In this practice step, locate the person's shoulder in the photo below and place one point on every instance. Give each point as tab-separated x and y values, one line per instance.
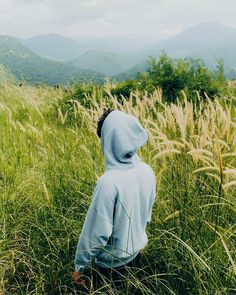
106	176
107	179
146	167
105	189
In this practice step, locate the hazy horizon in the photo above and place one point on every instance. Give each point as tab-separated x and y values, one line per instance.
149	21
118	36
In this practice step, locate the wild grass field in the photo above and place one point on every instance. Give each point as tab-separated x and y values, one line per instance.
50	159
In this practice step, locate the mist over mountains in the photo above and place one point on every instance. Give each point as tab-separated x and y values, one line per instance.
57	47
27	66
209	41
54	46
56	59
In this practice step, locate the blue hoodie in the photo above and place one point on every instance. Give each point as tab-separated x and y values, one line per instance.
114	229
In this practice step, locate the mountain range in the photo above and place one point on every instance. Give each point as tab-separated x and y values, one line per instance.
53	59
57	47
27	66
208	41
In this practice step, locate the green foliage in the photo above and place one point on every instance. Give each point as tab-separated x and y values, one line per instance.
124	88
190	76
80	94
48	170
175	76
30	68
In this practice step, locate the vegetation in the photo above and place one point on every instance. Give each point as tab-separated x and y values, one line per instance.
175	76
28	67
50	158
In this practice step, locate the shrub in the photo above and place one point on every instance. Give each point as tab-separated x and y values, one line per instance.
125	88
66	105
174	76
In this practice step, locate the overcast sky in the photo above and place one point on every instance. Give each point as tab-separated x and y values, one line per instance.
140	19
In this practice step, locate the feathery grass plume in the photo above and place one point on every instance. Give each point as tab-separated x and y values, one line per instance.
50	159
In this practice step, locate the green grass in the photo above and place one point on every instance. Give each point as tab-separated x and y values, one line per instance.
49	163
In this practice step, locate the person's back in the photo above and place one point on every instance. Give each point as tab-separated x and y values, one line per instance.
135	193
114	228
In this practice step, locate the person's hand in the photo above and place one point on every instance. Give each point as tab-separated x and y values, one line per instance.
76	276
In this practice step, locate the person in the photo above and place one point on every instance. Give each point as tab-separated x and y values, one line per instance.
114	229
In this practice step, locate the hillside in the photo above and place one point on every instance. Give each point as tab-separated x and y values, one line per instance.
105	62
205	36
114	57
54	46
208	41
27	66
60	48
115	44
132	72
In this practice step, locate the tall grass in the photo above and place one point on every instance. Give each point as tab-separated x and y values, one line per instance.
50	159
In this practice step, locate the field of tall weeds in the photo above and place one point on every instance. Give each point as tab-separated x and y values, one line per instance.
50	159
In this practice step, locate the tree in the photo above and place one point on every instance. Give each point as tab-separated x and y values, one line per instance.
192	76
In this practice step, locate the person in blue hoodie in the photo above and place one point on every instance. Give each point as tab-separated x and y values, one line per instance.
114	228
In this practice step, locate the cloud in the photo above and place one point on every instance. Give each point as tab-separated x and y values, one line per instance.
142	19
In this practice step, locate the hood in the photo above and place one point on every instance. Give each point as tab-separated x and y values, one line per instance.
121	136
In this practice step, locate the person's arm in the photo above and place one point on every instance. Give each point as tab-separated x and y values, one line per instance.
98	224
152	199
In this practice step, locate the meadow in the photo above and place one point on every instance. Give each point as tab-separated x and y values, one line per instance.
50	159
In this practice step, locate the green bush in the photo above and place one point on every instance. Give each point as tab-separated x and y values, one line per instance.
81	92
125	88
173	77
191	76
66	105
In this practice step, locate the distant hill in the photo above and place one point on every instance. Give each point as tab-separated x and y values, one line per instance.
28	67
123	57
115	44
132	72
54	46
106	63
195	39
117	57
57	47
208	41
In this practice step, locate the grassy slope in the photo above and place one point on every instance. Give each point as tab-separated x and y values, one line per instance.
49	167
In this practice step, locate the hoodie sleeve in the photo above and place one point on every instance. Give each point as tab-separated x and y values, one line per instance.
152	198
98	223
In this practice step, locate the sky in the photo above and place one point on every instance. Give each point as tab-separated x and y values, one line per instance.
143	20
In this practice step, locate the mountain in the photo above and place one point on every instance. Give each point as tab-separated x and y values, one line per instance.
115	44
209	41
195	39
54	46
124	57
132	72
28	67
119	57
57	47
105	62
